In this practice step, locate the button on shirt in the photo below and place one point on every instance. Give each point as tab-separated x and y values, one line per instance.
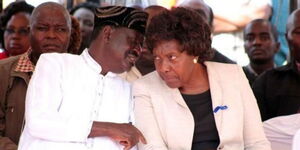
65	96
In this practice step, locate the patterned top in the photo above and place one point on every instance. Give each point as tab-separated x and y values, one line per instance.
24	63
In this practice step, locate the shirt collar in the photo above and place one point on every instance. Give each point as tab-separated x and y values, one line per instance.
93	64
90	61
24	63
249	67
251	70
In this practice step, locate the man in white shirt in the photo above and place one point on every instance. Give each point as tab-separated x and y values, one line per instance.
281	130
78	102
296	140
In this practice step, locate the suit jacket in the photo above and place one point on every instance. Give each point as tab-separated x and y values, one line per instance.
13	86
167	123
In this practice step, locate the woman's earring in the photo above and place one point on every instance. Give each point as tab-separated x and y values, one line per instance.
195	60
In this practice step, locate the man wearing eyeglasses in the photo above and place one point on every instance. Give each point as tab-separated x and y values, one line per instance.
50	26
78	102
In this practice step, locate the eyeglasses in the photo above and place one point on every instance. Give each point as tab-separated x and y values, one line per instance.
20	31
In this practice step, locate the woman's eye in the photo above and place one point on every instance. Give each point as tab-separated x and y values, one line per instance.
156	58
172	57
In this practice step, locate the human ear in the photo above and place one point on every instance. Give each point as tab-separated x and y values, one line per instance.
107	30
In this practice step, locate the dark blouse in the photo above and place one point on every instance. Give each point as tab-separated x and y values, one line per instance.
206	136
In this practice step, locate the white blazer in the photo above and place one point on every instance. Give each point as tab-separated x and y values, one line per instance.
167	123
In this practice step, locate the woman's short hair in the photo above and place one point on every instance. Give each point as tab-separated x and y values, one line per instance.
185	26
14	8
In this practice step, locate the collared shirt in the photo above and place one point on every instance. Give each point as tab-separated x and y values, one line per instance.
281	130
250	74
296	139
24	63
63	102
249	67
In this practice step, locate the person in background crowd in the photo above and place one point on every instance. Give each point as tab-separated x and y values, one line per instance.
84	104
15	22
261	45
210	104
206	12
84	13
75	39
230	18
277	90
144	64
50	26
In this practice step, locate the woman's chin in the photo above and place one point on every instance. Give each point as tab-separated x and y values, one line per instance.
172	85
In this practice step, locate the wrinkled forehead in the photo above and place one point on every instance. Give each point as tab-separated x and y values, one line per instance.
52	15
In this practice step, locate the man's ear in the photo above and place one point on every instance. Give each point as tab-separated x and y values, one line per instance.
288	40
107	30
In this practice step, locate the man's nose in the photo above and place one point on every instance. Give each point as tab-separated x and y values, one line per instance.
257	41
51	33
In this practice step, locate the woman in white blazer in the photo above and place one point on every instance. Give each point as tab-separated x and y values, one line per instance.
189	102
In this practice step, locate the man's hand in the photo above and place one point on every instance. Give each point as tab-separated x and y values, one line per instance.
126	134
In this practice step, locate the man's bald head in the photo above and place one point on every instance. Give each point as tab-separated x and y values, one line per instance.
50	7
293	35
203	9
50	29
295	15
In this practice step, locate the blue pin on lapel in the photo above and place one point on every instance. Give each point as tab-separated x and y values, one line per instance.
224	107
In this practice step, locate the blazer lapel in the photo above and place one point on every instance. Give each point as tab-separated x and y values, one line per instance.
216	93
174	93
178	98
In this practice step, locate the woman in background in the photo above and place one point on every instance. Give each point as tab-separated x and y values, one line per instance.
15	22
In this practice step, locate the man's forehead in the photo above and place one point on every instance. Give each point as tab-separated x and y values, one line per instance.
293	20
296	21
48	12
50	16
